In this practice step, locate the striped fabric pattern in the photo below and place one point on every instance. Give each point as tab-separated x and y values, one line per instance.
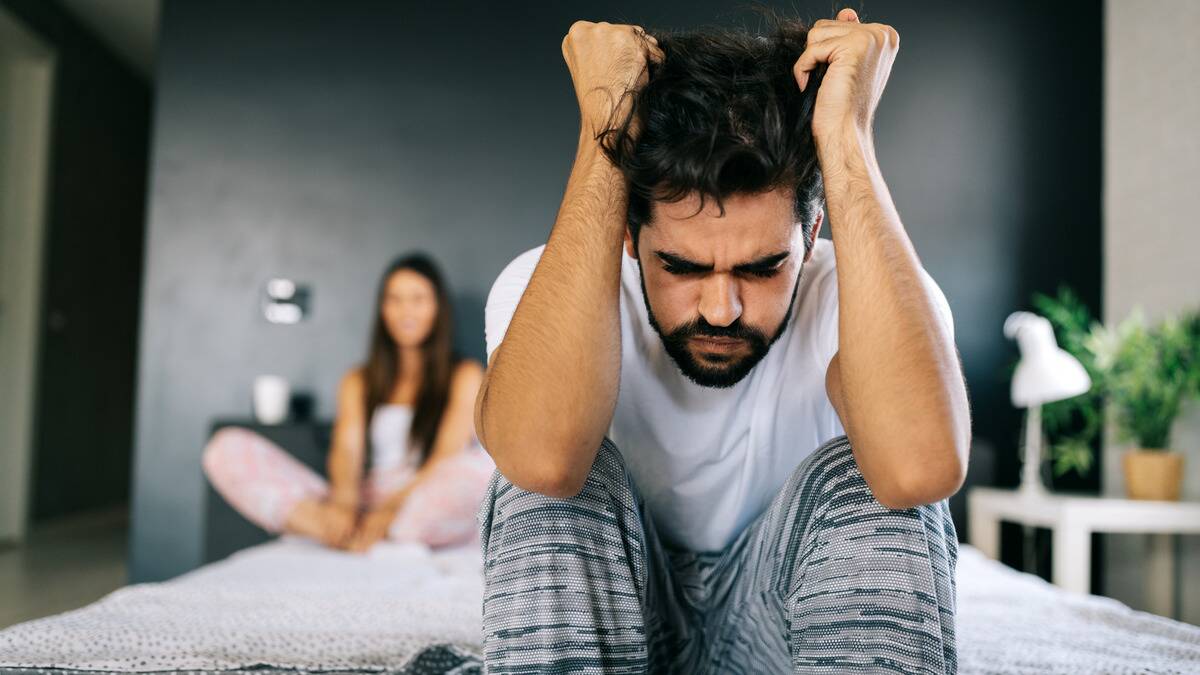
826	580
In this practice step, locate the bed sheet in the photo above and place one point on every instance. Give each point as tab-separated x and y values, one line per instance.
288	604
292	606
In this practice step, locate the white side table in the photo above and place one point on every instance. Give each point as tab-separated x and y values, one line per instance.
1072	519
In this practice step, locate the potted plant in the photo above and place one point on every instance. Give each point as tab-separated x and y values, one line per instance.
1073	425
1145	373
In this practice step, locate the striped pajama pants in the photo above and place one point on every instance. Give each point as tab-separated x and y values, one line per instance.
826	580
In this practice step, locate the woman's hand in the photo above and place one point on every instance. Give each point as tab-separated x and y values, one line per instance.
372	528
337	524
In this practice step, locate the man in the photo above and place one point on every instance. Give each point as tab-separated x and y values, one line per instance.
722	444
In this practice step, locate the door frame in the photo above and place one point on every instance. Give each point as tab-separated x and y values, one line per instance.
27	92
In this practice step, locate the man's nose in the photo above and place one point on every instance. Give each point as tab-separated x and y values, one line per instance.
719	301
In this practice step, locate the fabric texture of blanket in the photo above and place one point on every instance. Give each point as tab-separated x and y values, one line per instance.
290	605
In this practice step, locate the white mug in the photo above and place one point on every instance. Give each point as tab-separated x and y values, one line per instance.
271	398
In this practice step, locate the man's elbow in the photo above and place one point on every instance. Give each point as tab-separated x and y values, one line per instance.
551	481
928	487
550	472
535	459
558	485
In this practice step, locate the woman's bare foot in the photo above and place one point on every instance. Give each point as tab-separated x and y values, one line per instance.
307	519
327	523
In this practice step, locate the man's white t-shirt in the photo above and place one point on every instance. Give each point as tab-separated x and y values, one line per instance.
708	461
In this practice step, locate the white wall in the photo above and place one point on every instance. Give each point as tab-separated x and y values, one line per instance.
25	88
1152	243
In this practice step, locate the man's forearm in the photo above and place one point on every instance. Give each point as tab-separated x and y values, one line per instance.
901	380
550	391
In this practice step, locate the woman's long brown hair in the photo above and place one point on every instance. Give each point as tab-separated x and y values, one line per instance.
382	369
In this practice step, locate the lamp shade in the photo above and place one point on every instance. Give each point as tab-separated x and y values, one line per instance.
1045	373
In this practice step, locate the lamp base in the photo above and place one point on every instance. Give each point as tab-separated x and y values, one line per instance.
1034	489
1031	478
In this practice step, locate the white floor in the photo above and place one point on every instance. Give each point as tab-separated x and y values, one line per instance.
64	564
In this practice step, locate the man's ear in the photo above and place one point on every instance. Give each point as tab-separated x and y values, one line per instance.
816	231
629	243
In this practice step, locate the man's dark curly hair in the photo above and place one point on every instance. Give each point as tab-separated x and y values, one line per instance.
722	114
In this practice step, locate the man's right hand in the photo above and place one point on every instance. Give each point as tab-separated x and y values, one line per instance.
606	61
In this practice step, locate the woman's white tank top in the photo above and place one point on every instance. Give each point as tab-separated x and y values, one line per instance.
390	427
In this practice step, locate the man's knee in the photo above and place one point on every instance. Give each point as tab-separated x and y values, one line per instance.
606	500
575	564
607	473
834	495
836	530
830	474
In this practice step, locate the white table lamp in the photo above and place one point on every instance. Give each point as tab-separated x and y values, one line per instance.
1044	374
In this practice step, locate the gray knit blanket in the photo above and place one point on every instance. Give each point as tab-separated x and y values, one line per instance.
292	606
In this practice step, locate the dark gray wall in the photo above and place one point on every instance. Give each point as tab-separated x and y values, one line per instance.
317	140
99	139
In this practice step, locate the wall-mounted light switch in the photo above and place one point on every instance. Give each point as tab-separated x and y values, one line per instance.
285	301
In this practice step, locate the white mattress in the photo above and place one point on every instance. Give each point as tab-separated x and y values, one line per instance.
291	604
1012	622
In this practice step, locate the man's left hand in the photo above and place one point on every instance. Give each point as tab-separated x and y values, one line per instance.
860	57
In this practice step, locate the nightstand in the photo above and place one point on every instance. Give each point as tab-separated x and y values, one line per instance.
1072	519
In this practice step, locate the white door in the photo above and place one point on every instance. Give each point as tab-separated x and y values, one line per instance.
26	74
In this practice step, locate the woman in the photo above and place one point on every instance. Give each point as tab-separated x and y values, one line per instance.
410	405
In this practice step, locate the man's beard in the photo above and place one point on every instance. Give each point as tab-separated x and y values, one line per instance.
731	369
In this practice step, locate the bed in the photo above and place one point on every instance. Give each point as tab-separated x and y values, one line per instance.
290	606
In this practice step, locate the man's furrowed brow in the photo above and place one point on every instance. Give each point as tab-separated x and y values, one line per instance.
764	263
680	262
